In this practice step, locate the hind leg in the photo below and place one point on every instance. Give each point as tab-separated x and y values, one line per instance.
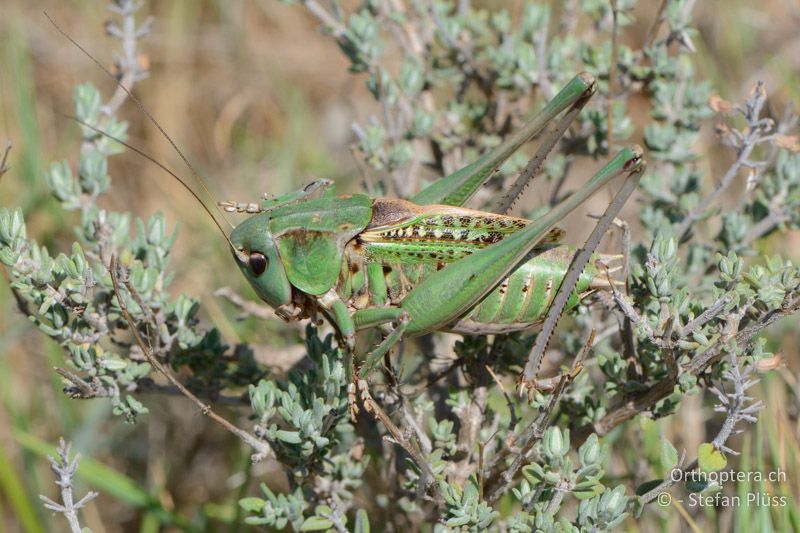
459	186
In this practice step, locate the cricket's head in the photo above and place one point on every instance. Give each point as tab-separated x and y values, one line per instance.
257	256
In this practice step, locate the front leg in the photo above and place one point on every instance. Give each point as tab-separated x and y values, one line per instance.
375	317
232	206
346	324
338	313
365	319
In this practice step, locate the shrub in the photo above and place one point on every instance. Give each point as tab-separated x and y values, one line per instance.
453	446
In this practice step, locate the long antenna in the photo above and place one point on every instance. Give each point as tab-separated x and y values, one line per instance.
150	117
159	165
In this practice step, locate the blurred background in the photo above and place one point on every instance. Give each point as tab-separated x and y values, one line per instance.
261	101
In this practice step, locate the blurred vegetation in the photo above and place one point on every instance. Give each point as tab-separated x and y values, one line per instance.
262	101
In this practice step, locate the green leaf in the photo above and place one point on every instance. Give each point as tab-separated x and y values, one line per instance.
316	523
696	485
87	103
710	459
114	365
669	456
362	522
552	443
589	451
252	504
289	437
459	521
533	472
647	486
588	489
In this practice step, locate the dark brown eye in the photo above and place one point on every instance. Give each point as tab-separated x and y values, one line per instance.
258	263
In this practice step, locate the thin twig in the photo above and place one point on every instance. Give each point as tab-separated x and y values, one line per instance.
65	468
128	63
738	407
335	519
775	217
501	482
330	23
705	316
428	477
540	40
463	53
653	31
263	450
512	423
4	162
670	480
612	75
668	349
645	400
701	362
83	390
755	130
249	308
787	123
424	441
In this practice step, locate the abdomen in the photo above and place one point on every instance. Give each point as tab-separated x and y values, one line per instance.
523	298
520	301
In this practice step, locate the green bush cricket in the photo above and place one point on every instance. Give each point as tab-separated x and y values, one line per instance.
423	265
428	264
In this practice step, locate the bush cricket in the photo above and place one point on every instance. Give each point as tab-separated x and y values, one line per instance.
424	265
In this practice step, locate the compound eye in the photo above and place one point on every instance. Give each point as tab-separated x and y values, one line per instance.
258	263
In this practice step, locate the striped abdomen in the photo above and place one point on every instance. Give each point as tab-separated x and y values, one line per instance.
523	298
404	243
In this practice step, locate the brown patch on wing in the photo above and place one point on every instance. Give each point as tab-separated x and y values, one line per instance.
390	211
